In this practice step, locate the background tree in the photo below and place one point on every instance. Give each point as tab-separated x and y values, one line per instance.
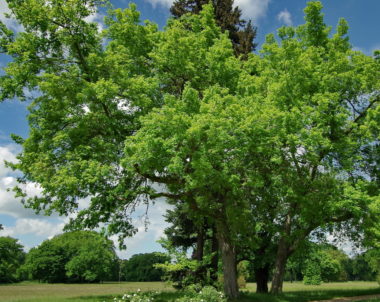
360	269
228	17
141	267
196	234
81	256
12	257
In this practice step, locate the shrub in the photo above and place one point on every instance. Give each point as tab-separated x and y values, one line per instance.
206	294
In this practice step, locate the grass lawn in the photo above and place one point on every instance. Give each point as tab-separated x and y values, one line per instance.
293	292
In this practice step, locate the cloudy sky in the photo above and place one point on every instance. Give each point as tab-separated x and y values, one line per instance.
267	15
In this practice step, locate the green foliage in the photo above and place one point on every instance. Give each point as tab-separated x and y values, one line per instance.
373	258
12	257
182	272
312	273
80	256
243	273
143	267
207	293
228	17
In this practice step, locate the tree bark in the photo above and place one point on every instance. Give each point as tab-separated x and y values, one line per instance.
228	254
199	249
215	257
279	269
262	278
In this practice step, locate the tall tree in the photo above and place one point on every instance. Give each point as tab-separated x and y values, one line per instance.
228	17
325	104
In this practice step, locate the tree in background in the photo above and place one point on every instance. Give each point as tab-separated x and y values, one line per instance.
141	267
81	256
12	257
196	234
373	259
228	17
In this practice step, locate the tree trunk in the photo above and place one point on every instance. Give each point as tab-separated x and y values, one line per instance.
262	278
215	258
279	269
198	251
228	253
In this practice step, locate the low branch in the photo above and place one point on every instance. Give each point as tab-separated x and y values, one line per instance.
158	179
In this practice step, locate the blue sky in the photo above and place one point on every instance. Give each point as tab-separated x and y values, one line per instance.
267	15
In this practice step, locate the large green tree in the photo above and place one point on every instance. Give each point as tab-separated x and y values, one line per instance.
92	90
324	99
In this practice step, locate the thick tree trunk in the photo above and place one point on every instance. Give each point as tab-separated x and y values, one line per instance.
262	278
279	269
228	253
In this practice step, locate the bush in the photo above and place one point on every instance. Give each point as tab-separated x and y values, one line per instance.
207	293
312	273
193	293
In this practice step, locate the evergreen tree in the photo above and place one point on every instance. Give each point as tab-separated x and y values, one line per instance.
241	32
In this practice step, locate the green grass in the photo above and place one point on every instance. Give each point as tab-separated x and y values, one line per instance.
293	292
41	292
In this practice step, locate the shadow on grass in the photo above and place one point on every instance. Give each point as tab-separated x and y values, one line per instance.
304	296
296	296
162	297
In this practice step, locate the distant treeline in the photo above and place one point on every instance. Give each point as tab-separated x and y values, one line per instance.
86	256
74	257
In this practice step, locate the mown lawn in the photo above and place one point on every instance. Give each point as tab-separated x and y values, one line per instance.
293	292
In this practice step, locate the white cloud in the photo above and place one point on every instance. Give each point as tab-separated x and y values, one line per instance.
7	153
285	17
9	22
165	3
8	203
251	9
37	227
96	18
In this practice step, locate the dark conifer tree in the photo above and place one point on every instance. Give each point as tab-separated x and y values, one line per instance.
241	32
